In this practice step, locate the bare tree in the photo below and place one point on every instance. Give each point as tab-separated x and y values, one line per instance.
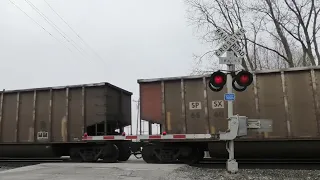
207	16
303	12
275	15
315	29
291	24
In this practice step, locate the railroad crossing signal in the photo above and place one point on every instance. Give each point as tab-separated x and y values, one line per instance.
217	80
230	42
240	81
230	60
229	97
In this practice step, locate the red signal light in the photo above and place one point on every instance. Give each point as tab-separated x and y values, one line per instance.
242	80
217	80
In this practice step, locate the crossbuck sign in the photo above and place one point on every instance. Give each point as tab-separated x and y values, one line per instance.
230	42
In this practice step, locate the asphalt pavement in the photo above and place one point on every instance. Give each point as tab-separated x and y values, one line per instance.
138	170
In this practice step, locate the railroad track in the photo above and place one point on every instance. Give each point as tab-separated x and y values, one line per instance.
293	164
20	162
263	161
204	161
30	160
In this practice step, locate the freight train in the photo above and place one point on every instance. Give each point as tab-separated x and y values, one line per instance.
81	121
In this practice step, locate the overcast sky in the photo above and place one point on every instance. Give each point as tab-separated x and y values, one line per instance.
131	40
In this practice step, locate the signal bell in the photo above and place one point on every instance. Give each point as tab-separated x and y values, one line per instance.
242	80
217	80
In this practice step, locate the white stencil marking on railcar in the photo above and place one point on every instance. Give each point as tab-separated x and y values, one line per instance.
217	104
194	105
41	135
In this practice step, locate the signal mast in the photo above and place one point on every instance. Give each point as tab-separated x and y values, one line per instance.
239	81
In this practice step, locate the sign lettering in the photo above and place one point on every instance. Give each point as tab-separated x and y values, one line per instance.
230	42
218	114
229	97
217	104
195	115
194	105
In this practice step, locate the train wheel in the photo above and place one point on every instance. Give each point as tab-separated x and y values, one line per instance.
110	153
168	154
124	151
195	156
75	155
90	154
148	154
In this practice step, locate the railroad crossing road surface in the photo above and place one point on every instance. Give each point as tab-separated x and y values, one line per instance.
131	170
138	170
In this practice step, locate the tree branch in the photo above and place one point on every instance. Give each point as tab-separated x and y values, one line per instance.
275	51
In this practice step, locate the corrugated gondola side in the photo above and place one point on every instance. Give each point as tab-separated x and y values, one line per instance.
289	98
46	122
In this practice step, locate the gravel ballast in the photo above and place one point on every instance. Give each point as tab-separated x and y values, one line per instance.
3	168
142	171
7	166
197	173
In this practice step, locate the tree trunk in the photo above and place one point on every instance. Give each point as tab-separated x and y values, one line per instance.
284	40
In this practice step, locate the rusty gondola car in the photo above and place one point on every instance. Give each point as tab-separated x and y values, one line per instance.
80	121
289	98
50	122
